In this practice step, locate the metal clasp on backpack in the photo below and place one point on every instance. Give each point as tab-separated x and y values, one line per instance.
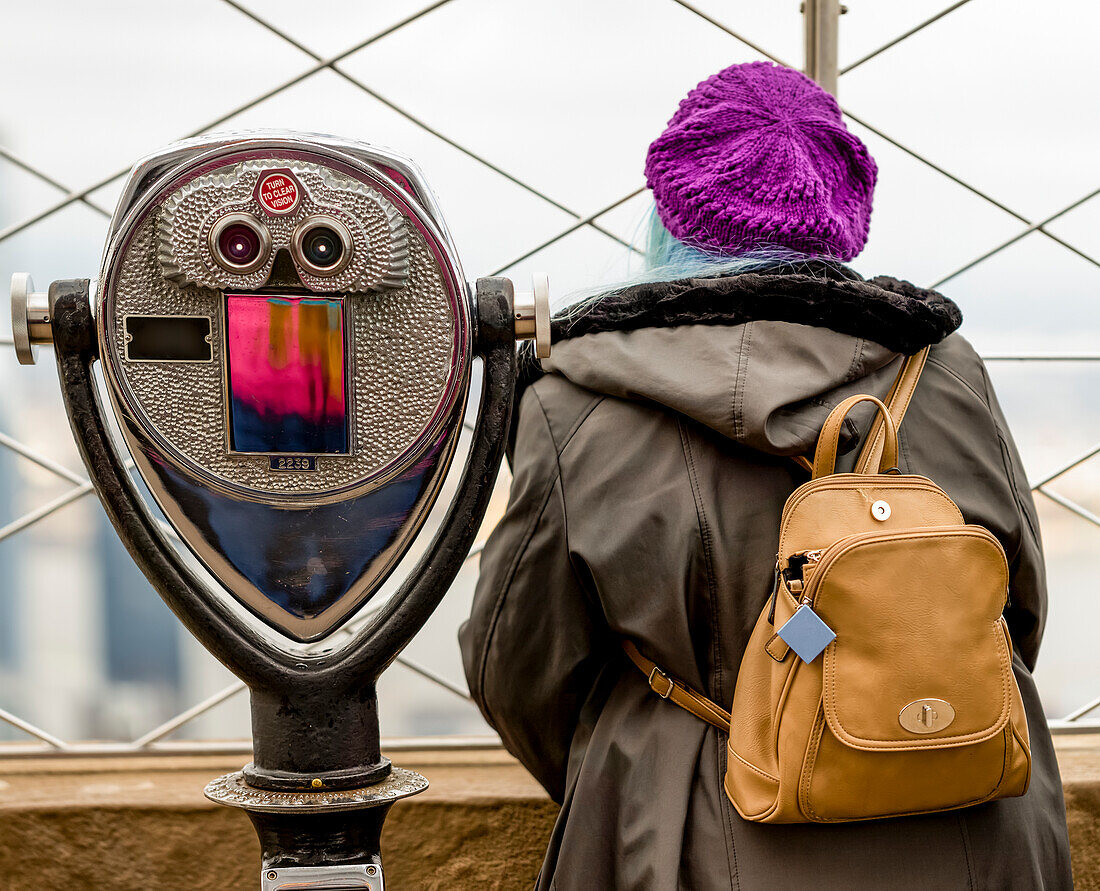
657	670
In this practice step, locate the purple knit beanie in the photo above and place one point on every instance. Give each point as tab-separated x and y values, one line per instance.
759	155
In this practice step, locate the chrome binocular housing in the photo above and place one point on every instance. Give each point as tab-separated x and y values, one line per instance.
286	335
286	340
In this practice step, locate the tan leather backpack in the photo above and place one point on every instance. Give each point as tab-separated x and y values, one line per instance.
878	679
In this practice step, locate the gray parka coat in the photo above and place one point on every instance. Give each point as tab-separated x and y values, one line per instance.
651	464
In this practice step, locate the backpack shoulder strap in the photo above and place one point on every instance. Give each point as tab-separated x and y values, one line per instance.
668	687
898	402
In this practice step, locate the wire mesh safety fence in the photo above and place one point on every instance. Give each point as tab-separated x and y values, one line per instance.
84	194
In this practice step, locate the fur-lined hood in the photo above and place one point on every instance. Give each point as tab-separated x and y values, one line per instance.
760	357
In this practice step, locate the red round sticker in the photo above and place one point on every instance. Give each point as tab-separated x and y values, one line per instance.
278	192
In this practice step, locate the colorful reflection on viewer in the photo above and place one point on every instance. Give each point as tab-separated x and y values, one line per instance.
286	373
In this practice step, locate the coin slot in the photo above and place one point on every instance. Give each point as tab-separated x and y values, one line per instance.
168	339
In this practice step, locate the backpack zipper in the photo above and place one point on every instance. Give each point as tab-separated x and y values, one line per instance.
797	563
821	559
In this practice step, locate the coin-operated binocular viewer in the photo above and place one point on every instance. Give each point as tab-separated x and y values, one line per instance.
286	341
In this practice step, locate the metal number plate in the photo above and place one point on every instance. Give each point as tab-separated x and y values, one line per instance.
292	463
360	877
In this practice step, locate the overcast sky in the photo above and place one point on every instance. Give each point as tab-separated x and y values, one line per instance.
566	95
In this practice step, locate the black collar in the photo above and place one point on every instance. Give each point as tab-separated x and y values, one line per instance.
896	314
889	311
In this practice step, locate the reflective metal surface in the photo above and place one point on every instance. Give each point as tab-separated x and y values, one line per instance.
926	715
233	791
362	877
377	228
533	314
298	465
408	357
30	318
303	571
399	169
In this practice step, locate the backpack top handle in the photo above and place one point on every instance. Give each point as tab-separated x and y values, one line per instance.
829	440
901	392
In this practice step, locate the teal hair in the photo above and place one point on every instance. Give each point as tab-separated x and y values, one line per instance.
668	259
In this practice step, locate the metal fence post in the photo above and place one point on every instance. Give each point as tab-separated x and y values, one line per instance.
821	27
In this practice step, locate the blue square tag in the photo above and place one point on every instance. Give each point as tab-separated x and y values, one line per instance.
806	634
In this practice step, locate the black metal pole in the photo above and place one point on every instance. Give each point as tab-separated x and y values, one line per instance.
352	837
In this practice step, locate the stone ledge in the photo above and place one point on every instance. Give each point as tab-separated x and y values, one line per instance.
131	822
141	822
1079	762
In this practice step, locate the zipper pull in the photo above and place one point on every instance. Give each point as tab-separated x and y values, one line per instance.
805	632
797	564
775	592
808	569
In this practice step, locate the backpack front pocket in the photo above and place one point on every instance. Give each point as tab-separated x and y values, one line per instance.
839	783
917	686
